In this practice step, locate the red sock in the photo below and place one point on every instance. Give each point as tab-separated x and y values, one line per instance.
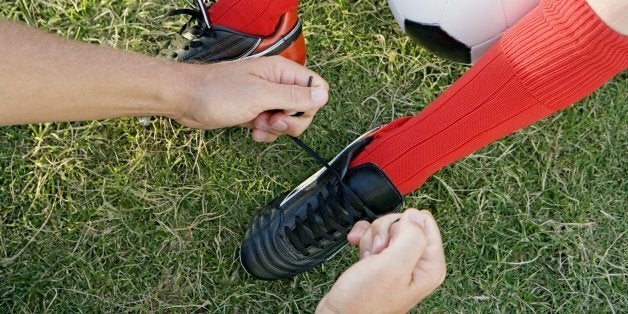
556	55
254	17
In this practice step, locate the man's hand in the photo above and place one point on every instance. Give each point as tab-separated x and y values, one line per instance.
53	79
401	262
259	93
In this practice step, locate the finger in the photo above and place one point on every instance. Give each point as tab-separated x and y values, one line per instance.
286	71
278	123
293	126
430	227
358	230
292	97
262	136
366	244
432	262
407	244
381	229
262	122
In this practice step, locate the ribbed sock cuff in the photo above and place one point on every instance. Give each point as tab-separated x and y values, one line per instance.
466	117
562	51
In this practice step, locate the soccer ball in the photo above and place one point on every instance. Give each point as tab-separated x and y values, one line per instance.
459	30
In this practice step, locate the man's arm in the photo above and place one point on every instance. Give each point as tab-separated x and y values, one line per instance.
46	78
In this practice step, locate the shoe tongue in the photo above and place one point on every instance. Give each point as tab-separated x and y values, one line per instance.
374	188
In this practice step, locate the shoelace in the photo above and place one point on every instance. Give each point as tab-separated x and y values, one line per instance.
316	224
201	25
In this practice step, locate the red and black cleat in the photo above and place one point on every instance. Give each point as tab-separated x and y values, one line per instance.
209	44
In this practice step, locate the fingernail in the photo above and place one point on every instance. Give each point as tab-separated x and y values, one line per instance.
280	125
318	96
366	254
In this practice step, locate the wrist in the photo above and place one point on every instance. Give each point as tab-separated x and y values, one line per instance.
175	93
190	94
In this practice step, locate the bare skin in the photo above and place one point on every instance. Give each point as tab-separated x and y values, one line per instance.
402	261
49	79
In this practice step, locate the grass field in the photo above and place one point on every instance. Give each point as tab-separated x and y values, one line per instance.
109	216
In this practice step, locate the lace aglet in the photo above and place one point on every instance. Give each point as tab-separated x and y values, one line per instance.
309	84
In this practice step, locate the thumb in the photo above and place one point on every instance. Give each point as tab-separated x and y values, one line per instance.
407	244
294	97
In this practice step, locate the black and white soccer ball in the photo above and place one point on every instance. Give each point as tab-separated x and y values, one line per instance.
458	30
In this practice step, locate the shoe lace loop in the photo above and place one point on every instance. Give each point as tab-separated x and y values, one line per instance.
328	216
199	21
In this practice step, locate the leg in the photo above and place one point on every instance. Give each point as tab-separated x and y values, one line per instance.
553	57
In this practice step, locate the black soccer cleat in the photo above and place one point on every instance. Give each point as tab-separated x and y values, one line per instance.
207	43
308	226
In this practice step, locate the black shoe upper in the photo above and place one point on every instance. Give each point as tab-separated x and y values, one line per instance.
217	44
308	226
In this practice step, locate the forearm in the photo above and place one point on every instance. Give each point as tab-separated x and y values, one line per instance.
44	77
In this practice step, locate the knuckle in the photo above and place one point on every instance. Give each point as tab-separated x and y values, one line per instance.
259	124
378	225
385	222
427	213
439	276
364	241
361	224
298	94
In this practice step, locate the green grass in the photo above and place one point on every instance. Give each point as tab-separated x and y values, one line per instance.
109	216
